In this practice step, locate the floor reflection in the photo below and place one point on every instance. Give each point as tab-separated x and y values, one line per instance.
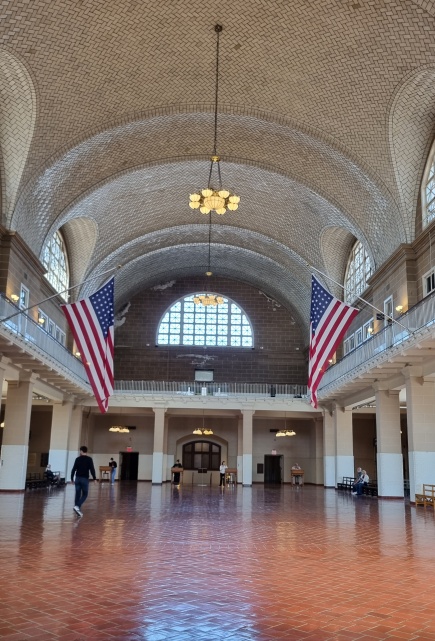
159	562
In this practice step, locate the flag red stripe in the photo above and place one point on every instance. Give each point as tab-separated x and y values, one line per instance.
96	349
330	330
329	338
94	374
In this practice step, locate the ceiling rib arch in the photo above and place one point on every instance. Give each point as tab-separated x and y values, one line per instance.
247	144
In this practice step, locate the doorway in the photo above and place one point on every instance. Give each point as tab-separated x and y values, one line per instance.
273	469
129	465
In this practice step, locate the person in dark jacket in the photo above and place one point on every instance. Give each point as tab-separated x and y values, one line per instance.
83	465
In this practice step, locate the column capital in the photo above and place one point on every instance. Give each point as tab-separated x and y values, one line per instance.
412	371
248	412
4	362
337	407
163	409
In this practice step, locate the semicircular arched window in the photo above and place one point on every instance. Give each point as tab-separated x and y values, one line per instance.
358	271
223	325
54	258
428	190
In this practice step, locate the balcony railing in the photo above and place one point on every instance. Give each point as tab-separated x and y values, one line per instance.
210	389
412	323
37	341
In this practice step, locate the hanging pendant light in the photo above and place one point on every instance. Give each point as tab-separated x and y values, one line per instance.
285	431
203	431
214	197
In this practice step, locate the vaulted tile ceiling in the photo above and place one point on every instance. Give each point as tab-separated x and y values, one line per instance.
326	116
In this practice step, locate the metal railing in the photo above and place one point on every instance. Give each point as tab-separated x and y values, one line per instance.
36	340
393	336
210	389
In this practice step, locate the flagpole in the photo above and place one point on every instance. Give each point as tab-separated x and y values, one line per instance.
22	311
363	300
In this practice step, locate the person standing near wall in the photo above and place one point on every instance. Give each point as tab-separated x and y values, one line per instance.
83	466
222	470
176	480
113	465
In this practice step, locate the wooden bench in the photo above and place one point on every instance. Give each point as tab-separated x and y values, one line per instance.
428	496
34	481
346	484
371	489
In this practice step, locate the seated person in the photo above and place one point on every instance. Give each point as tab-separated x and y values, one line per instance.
51	477
363	480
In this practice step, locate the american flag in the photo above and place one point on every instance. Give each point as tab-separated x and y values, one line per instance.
329	321
91	321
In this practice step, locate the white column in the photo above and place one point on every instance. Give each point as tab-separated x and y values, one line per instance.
159	434
329	452
74	436
420	400
318	450
60	426
240	450
15	445
389	444
344	461
168	461
247	447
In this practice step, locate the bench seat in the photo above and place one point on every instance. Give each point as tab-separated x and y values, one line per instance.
346	484
427	497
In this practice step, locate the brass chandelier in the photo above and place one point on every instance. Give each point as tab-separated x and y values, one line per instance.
203	431
285	431
215	198
207	299
119	428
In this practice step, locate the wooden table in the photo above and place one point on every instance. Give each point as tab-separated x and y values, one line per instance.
231	476
103	469
297	477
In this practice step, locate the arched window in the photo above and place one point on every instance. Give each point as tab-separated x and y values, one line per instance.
428	190
359	270
203	454
54	258
186	323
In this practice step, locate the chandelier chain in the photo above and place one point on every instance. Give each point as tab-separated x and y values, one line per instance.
218	29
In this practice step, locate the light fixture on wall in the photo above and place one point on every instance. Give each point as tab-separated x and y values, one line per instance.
41	320
214	197
285	431
207	298
399	308
203	431
15	298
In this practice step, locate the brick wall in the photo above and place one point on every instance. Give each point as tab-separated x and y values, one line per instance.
277	356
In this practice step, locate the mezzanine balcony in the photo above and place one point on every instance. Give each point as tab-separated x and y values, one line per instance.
383	356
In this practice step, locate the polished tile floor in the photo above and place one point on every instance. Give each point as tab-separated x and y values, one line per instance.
203	564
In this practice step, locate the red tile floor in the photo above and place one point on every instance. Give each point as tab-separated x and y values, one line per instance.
197	563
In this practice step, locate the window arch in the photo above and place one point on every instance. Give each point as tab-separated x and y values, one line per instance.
223	325
428	190
55	260
201	454
358	271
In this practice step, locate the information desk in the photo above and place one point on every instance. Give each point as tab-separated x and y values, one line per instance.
177	470
105	471
231	476
297	477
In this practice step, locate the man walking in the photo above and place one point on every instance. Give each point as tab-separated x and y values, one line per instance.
81	468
